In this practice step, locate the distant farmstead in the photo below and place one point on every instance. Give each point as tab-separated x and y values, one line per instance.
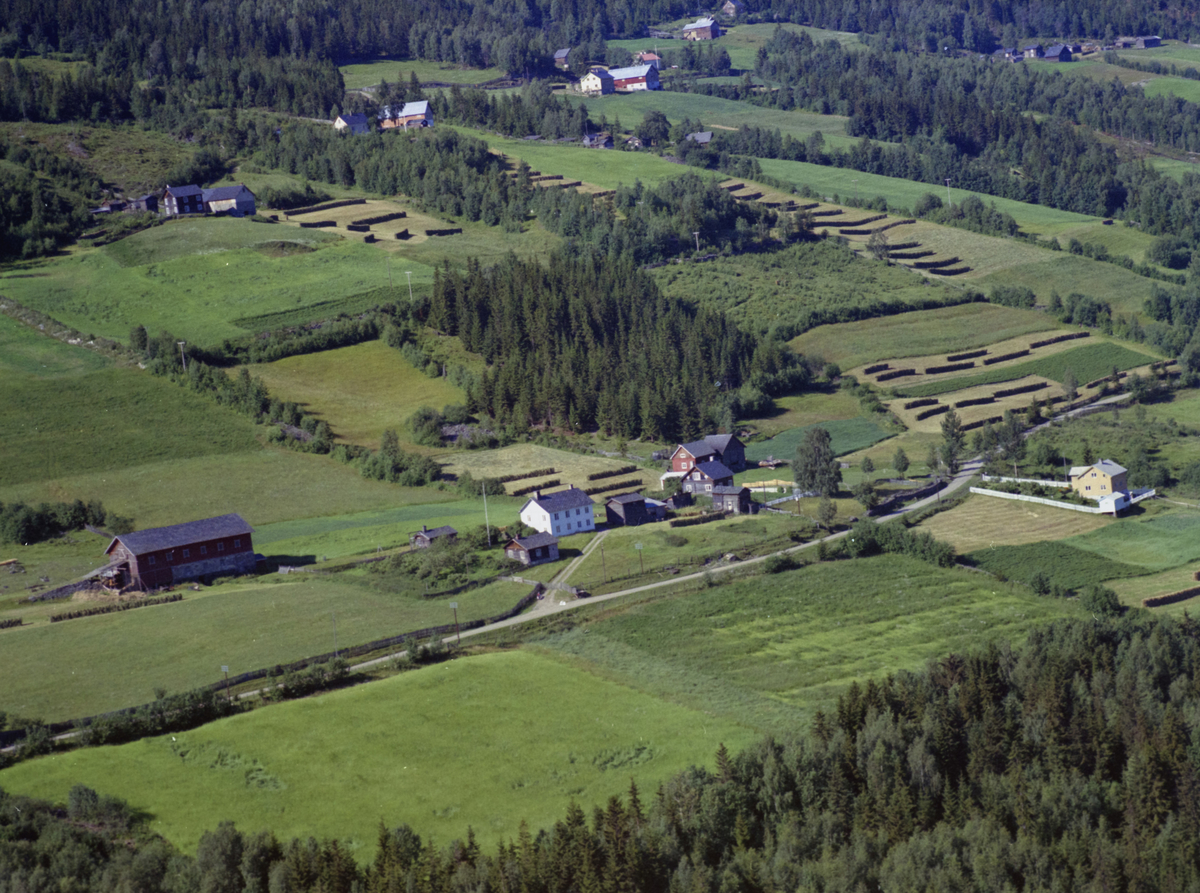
725	447
411	114
161	556
1058	53
596	82
702	29
705	476
178	200
354	124
636	77
560	59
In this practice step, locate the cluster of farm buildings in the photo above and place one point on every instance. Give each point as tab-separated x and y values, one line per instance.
221	546
177	201
1066	52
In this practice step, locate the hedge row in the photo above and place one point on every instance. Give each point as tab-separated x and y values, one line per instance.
953	367
910	255
878	367
1006	356
974	401
1170	598
326	206
542	486
903	246
924	401
590	491
8	624
381	218
700	519
357	228
541	472
624	469
896	373
993	420
113	609
1024	389
929	413
317	224
950	271
933	264
969	355
1071	336
444	232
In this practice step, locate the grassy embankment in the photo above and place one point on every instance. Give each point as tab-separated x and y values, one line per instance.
669	678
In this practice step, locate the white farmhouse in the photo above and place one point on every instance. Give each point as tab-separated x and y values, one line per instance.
562	514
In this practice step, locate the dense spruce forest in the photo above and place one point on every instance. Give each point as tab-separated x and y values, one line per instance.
1072	763
589	341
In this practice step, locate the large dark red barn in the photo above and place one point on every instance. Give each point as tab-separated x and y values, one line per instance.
161	556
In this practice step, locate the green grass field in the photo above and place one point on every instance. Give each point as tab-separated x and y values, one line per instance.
571	468
90	665
107	420
1062	563
631	108
919	333
763	290
24	351
847	436
772	650
905	193
1088	362
1132	590
357	75
479	743
983	521
1066	273
266	485
808	408
1156	543
192	289
359	390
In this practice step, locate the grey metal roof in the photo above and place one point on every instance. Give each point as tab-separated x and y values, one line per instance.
537	541
720	442
570	498
414	108
698	448
699	23
627	498
224	193
183	191
436	532
722	490
354	119
701	136
156	538
715	470
1056	49
633	71
561	54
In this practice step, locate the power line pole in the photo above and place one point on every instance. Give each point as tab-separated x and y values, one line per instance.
948	202
182	355
697	235
408	273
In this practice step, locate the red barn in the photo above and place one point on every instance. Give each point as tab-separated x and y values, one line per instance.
636	77
161	556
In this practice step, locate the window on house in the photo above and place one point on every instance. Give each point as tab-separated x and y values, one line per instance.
204	550
170	556
237	544
187	553
151	560
220	547
556	516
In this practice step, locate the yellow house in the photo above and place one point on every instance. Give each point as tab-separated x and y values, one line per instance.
1102	479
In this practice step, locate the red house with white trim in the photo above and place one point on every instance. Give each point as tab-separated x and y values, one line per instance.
636	77
161	556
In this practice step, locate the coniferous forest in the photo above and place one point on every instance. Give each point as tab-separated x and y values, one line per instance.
1072	763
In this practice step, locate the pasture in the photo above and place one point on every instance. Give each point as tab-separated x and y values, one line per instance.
771	650
1132	590
530	733
1088	362
740	41
765	289
920	332
982	522
107	420
362	75
1016	403
86	666
807	408
570	468
846	435
715	111
196	291
263	485
25	351
1066	273
359	390
1164	540
1062	562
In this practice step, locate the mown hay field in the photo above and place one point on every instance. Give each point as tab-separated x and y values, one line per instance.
478	743
968	414
89	665
994	349
359	75
846	436
920	332
359	390
570	468
806	408
1132	590
1163	540
1061	562
983	521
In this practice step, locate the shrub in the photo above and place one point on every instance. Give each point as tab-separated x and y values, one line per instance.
778	563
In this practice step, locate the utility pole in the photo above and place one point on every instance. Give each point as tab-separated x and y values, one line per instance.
457	631
225	670
855	182
408	273
641	557
334	634
948	202
697	235
483	488
603	569
182	355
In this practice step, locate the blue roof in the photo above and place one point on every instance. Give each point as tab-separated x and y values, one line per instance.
570	498
714	470
184	191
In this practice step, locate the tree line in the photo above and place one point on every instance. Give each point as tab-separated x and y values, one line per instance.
1067	763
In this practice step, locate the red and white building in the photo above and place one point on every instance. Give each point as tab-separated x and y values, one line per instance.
636	77
162	556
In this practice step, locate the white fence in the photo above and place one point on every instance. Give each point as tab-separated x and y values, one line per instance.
1059	484
1055	503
